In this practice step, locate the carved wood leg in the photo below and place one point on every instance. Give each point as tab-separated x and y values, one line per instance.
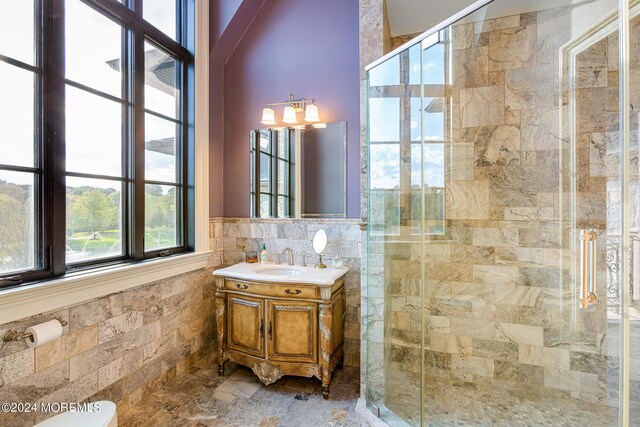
220	312
325	347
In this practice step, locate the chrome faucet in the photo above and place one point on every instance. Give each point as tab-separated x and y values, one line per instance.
289	253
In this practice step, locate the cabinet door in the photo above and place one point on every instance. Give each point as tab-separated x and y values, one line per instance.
292	331
245	325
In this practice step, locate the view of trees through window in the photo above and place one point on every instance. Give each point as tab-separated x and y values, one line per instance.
115	188
16	226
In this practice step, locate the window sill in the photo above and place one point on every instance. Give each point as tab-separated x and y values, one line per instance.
30	300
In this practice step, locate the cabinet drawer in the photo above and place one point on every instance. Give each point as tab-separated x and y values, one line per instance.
272	290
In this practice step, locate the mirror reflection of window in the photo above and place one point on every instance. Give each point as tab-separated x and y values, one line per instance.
301	172
270	162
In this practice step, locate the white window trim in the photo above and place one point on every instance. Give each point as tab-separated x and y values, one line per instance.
30	300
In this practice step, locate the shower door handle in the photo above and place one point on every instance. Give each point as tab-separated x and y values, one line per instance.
587	268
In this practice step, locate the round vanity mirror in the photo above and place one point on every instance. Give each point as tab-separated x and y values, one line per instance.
319	245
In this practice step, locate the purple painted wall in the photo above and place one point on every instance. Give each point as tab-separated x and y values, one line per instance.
230	19
305	47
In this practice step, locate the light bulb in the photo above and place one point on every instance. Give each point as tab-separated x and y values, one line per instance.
268	116
311	114
289	115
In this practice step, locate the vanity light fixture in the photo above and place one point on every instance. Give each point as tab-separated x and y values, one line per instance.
291	108
319	125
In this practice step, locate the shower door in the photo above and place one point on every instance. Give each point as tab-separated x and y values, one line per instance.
523	311
520	166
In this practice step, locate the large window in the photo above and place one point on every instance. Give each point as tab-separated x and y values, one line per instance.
96	134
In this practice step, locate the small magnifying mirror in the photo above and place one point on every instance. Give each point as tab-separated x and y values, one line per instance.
319	245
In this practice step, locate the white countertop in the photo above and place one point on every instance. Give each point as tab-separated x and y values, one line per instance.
315	276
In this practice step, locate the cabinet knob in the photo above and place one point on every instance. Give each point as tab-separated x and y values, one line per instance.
290	292
242	286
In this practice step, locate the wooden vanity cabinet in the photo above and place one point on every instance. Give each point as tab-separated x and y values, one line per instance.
281	329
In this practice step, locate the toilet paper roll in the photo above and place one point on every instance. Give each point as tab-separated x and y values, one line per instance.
43	333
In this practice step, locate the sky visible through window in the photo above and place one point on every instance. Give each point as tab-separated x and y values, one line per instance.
385	118
92	40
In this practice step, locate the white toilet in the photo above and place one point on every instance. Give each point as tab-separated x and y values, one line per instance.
105	416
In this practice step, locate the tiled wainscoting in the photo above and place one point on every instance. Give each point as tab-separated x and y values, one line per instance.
119	347
122	347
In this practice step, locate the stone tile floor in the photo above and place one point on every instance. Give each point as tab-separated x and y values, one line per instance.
202	398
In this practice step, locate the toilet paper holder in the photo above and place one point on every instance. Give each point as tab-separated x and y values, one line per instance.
13	335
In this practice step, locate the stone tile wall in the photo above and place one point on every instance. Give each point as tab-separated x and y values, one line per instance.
120	347
499	298
375	41
248	234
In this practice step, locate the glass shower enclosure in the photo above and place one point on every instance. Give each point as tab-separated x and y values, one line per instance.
503	251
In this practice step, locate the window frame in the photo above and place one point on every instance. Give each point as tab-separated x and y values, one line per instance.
49	136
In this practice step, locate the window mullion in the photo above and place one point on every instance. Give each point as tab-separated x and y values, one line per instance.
136	77
53	106
188	155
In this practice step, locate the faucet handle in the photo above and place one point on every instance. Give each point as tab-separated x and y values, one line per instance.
305	257
276	259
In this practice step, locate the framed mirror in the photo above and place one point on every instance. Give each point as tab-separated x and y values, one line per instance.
299	171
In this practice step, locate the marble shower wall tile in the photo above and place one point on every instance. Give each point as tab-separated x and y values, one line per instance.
498	295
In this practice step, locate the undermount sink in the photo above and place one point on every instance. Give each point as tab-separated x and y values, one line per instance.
279	271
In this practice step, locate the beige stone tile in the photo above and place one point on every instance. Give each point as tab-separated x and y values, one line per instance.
37	385
472	365
541	128
493	236
451	344
111	328
93	312
482	106
77	391
241	384
66	347
159	346
141	336
462	161
495	145
564	379
92	359
473	328
528	88
521	334
467	200
495	274
225	397
471	67
515	372
110	373
512	48
496	24
518	295
16	366
462	36
528	214
544	356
